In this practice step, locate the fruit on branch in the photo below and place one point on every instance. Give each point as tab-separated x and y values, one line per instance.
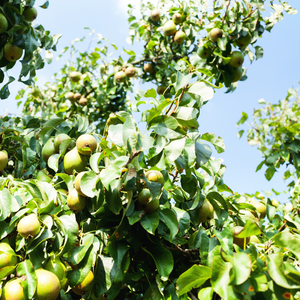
75	201
204	52
275	202
169	28
244	41
48	149
86	144
177	18
11	52
155	15
152	206
237	59
161	89
7	256
260	207
143	202
149	68
64	283
206	212
70	96
85	286
155	176
61	138
35	92
237	74
29	226
75	76
215	34
30	14
55	266
83	101
179	37
120	76
238	241
77	183
3	160
42	176
74	161
47	285
77	96
130	72
13	290
3	23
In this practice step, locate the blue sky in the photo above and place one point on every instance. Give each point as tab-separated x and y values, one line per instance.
268	78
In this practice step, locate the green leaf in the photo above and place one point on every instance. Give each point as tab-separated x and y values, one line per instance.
174	149
6	203
182	80
76	254
206	293
169	218
193	278
217	142
186	113
203	153
249	229
202	89
150	222
183	219
218	197
88	184
287	240
241	267
25	268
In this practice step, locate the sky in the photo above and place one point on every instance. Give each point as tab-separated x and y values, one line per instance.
268	78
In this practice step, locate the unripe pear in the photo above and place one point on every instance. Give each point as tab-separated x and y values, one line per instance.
74	161
152	206
77	96
239	241
144	202
11	52
260	207
244	41
85	286
7	256
155	15
120	76
35	92
3	23
275	202
169	28
48	149
47	285
149	68
86	144
59	139
237	59
206	212
155	176
130	72
42	176
83	101
237	74
29	226
204	52
75	76
77	183
13	290
70	96
3	160
161	89
75	201
30	14
55	266
179	37
215	34
177	18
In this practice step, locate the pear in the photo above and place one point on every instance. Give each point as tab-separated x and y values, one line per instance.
3	23
77	183
244	41
155	176
29	226
75	201
215	34
237	59
11	52
179	37
130	72
48	149
61	138
3	160
35	92
86	144
260	207
239	241
238	73
75	76
149	68
70	96
204	52
77	96
169	28
143	202
55	266
155	15
85	286
74	161
177	18
13	290
30	14
275	202
161	89
47	285
120	76
42	176
206	212
7	256
83	101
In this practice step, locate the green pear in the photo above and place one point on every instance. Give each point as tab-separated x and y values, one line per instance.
74	161
155	15
215	34
13	290
75	76
206	212
130	72
48	149
238	241
86	144
120	76
161	89
204	52
237	59
144	197
244	41
75	201
177	18
85	286
11	52
47	285
260	207
29	226
42	176
149	68
155	176
55	266
3	160
30	14
70	96
179	37
83	101
169	28
7	255
61	138
3	23
237	74
275	202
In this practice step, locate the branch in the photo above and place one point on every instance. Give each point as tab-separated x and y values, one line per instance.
179	99
192	296
132	156
89	92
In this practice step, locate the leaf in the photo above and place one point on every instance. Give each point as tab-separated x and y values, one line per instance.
76	254
115	134
186	113
6	202
174	149
249	229
193	278
25	268
225	239
203	153
182	80
218	197
287	240
217	142
88	184
183	219
241	267
169	218
150	222
206	293
202	89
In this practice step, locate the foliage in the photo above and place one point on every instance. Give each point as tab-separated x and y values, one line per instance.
160	250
